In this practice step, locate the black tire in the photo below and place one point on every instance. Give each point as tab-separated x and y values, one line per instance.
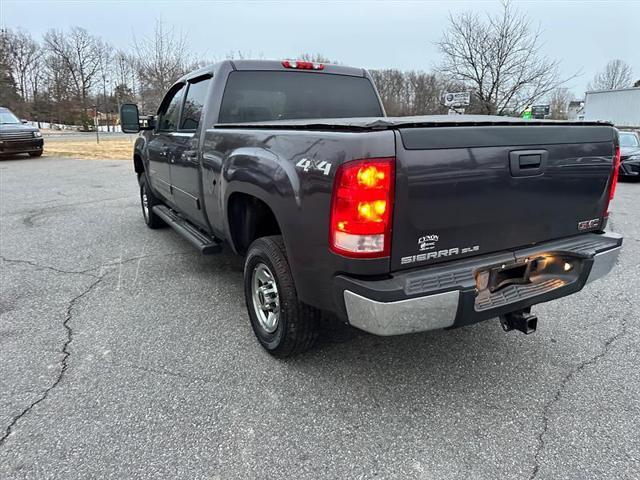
151	219
35	154
297	324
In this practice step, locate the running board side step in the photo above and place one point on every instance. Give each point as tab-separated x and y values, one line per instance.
203	242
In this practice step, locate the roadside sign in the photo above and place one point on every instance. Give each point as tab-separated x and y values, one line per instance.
539	111
457	99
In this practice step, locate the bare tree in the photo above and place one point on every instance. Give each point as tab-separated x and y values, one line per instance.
559	103
316	57
8	92
616	75
125	71
24	53
392	88
79	53
59	85
58	79
427	93
237	55
160	60
410	93
500	58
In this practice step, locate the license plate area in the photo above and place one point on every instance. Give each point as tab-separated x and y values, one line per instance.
502	284
501	277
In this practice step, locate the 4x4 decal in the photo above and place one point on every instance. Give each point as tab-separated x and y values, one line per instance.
307	164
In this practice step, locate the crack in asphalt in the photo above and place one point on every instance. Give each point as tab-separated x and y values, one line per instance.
92	268
608	344
47	267
571	374
64	363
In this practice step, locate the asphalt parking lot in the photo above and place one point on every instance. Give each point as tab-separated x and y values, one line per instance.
125	354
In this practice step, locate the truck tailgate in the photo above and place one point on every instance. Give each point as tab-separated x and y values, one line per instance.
464	191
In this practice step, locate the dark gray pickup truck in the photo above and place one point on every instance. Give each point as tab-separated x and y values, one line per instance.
396	225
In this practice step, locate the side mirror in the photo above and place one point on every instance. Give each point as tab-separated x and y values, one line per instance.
129	118
24	121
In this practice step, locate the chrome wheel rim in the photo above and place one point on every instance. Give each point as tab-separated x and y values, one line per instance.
266	301
145	203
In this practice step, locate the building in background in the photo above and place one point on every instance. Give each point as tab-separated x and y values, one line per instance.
575	110
620	107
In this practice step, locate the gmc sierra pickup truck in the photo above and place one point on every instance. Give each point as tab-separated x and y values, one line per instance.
395	225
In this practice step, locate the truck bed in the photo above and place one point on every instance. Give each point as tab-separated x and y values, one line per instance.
469	185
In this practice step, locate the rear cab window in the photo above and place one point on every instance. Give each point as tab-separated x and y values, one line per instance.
254	96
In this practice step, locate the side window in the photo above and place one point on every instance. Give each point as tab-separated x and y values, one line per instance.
196	97
169	112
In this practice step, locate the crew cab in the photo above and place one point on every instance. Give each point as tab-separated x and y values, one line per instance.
395	225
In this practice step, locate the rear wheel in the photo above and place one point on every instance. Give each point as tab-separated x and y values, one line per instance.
148	201
283	325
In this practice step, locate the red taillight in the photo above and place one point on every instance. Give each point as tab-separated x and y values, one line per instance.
614	179
361	208
300	65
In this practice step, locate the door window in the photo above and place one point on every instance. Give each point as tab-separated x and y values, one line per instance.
194	104
170	110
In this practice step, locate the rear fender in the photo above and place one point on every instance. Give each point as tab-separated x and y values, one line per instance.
293	174
258	172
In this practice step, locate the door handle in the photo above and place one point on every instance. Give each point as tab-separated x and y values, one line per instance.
527	163
189	156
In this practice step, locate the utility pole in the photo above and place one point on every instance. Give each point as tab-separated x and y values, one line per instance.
95	122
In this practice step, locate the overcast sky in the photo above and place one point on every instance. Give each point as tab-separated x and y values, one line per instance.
583	35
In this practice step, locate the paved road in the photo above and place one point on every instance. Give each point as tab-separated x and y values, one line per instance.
124	354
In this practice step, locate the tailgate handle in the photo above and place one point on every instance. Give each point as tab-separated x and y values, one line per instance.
527	163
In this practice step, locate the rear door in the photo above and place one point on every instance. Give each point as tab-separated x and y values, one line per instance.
161	142
464	191
185	158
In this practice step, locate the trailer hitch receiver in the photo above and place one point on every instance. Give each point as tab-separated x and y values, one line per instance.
521	320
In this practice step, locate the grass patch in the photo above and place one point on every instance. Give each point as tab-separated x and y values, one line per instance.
88	149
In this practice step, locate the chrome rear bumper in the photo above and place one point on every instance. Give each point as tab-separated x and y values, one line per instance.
603	263
456	306
404	316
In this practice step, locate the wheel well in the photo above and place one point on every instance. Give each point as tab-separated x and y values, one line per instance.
249	218
137	164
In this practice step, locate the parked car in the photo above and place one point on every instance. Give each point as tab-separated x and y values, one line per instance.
17	137
395	225
629	155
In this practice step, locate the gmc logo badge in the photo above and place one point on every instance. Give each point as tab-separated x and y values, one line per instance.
589	224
